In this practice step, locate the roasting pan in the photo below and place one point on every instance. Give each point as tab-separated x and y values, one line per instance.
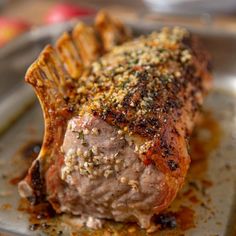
207	204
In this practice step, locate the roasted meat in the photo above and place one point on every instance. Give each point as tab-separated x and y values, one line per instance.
117	120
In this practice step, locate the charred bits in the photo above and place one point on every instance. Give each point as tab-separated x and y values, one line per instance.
166	221
172	165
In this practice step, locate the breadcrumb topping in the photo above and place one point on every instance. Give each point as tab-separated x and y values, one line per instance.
124	86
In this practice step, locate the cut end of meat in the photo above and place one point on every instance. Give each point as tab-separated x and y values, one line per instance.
104	176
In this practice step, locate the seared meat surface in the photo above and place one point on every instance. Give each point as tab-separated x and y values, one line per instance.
116	138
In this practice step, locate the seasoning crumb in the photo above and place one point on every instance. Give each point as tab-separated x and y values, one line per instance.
134	184
86	131
131	229
95	131
123	180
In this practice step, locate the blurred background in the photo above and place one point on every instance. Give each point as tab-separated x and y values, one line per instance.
18	16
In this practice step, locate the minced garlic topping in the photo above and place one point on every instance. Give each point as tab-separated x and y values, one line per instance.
90	162
123	86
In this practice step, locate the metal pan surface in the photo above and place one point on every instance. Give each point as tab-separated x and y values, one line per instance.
209	195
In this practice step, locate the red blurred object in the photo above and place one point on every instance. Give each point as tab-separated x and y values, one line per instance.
64	12
10	28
